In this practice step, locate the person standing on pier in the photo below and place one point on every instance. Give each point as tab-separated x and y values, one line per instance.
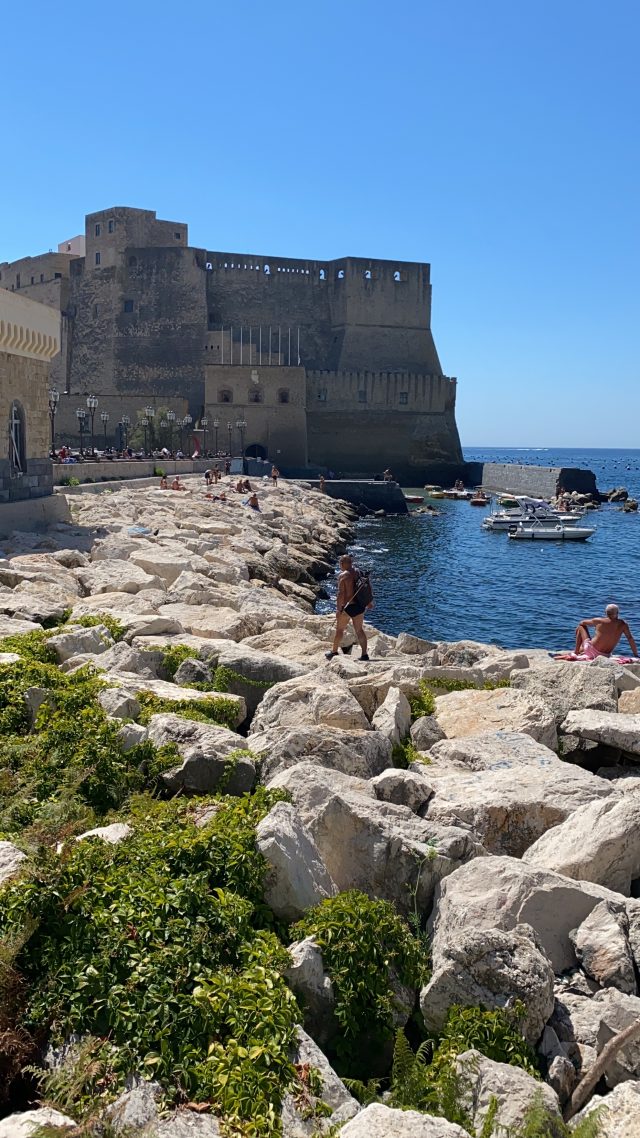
355	596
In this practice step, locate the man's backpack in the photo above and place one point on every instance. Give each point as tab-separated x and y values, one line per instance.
362	592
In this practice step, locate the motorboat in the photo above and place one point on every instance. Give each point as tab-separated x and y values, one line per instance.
416	499
456	495
537	531
479	499
528	511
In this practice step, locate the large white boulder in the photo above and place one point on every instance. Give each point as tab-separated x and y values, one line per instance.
91	641
616	730
503	892
316	698
491	968
202	620
484	1082
494	751
298	1122
382	849
618	1112
405	788
472	712
565	687
393	717
11	858
29	1122
205	749
296	877
584	1025
598	842
362	754
116	576
378	1121
312	986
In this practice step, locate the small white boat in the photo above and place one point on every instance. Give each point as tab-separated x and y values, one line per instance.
546	532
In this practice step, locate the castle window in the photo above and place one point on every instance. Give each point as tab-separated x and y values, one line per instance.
33	280
17	440
404	396
177	236
58	276
68	248
267	271
322	395
225	396
41	278
362	396
97	230
340	275
209	267
17	280
112	226
399	276
283	395
133	261
323	275
367	274
128	306
254	396
97	258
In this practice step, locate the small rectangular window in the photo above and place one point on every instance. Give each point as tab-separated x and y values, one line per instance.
404	396
111	227
17	280
58	276
255	397
97	258
33	280
128	306
362	397
97	230
41	278
322	395
177	236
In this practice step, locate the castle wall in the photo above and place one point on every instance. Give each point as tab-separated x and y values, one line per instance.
279	428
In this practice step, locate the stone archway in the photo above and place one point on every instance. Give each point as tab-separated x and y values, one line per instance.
255	450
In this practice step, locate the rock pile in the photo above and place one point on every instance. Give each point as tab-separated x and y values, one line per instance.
492	798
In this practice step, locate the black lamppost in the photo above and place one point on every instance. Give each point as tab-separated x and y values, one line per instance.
81	415
241	425
104	416
186	423
171	418
150	414
216	427
164	426
92	403
144	422
204	423
54	397
230	430
126	423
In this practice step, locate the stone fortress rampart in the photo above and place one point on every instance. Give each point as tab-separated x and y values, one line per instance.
141	309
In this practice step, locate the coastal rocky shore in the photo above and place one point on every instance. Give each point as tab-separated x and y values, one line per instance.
245	890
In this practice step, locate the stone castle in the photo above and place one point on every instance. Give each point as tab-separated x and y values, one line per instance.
325	362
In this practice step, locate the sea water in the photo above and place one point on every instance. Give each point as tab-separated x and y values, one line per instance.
444	578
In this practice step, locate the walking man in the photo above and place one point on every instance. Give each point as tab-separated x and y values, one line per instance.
355	596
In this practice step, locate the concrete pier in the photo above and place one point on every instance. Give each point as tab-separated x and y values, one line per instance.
372	495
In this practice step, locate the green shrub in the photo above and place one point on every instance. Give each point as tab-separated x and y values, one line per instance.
404	754
364	944
159	472
173	656
540	1122
31	645
111	623
424	703
223	712
162	945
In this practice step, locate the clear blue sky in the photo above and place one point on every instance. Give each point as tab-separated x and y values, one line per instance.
497	139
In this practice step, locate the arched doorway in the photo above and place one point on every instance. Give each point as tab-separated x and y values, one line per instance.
255	451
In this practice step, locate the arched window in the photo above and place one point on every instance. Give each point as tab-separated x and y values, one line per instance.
17	439
225	396
255	396
283	395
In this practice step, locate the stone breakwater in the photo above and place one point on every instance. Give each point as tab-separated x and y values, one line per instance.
491	798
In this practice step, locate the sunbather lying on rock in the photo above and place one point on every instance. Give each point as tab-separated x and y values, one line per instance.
609	630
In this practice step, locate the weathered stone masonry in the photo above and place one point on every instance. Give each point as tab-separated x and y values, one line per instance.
141	307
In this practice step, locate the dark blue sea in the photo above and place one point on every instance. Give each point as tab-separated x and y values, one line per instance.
445	578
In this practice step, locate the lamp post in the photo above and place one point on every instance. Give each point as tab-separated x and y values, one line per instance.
186	423
126	423
230	430
216	427
150	413
81	415
171	418
54	397
204	423
92	403
241	425
104	416
144	422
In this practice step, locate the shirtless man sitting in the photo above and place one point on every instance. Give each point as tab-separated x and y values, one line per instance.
609	630
349	607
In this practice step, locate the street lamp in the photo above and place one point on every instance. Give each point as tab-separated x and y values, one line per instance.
126	423
171	418
104	416
216	427
241	425
144	422
54	397
204	423
92	403
81	415
186	423
150	413
230	430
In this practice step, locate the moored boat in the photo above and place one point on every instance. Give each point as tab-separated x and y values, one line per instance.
537	531
414	498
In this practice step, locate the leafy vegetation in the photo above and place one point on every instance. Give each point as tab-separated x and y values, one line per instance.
173	655
404	754
223	712
365	946
540	1122
111	623
424	703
